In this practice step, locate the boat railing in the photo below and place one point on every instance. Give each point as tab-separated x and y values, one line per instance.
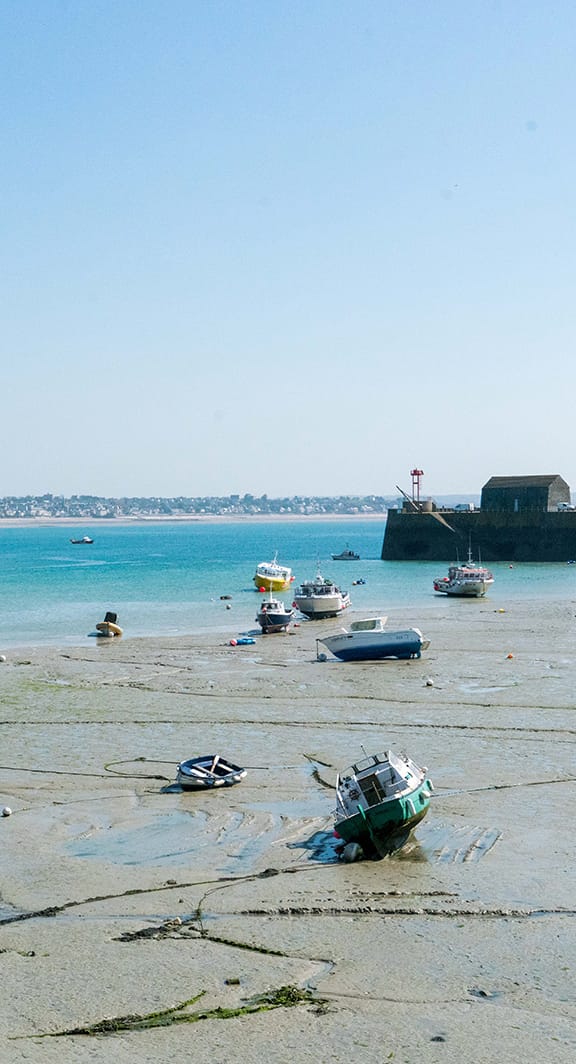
366	762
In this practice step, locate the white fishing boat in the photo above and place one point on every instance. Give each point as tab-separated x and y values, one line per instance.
274	615
371	640
212	770
320	598
466	579
270	576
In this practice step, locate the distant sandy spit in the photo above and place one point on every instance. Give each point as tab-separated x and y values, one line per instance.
76	522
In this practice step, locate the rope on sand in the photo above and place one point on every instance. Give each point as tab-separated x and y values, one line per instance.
62	772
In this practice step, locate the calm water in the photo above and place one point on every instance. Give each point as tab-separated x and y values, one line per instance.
168	578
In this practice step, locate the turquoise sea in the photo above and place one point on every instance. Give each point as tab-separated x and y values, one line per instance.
167	578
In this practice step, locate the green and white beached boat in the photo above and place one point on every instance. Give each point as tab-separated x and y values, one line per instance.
379	800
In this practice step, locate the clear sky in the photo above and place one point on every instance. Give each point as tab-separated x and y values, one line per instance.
286	246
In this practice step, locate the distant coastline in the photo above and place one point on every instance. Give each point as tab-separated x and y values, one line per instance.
205	519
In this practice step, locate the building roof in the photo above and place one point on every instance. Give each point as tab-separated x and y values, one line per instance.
543	481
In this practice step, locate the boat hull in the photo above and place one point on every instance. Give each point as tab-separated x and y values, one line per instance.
375	828
375	646
321	609
272	583
274	622
107	628
469	589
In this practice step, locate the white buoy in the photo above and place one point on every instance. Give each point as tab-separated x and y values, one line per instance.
2	657
6	811
429	681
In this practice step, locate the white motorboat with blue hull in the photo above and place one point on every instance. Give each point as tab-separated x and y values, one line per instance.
370	640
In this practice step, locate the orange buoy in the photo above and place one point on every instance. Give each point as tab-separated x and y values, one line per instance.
509	656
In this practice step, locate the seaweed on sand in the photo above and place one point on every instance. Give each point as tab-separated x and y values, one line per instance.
283	997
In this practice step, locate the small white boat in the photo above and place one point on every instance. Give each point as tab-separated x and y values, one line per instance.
320	598
272	577
200	773
274	615
370	640
467	579
84	539
379	800
346	555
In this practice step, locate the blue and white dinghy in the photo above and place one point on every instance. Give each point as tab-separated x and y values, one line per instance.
212	770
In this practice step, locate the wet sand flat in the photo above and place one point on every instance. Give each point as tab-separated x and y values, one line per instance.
121	895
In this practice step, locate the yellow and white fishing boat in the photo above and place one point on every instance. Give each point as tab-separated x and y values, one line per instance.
270	576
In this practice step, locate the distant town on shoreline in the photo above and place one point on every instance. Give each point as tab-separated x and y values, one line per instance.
96	507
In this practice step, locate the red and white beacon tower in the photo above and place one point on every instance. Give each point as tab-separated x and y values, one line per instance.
416	475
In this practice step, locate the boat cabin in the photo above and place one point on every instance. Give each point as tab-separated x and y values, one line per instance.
370	624
373	781
312	588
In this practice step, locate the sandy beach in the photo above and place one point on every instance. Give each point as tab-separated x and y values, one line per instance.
122	896
205	519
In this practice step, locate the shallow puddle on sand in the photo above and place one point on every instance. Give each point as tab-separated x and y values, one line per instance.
162	840
434	844
477	689
235	841
7	912
238	839
438	843
322	846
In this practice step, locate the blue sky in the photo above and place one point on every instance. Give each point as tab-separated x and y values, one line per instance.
286	247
